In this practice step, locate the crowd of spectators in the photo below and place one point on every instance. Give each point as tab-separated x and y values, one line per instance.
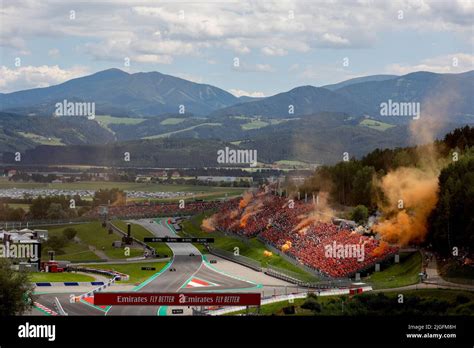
293	227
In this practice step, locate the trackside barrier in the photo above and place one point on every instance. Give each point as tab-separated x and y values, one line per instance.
70	284
243	260
275	272
100	288
294	278
116	276
105	272
97	283
283	276
280	298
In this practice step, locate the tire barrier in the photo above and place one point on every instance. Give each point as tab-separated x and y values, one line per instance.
69	284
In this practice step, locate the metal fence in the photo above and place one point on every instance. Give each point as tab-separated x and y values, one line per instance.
240	259
38	223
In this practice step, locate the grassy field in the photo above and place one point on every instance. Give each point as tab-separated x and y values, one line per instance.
39	139
254	124
377	125
127	186
25	207
91	234
105	121
74	250
291	164
136	274
171	121
164	135
38	277
139	232
253	249
275	121
397	275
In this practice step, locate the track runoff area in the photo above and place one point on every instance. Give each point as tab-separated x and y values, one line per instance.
190	283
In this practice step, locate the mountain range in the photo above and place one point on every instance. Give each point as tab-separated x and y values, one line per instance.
306	123
121	94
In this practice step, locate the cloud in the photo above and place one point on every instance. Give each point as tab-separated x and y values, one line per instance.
152	58
237	46
450	63
334	40
274	51
26	77
240	93
113	30
259	67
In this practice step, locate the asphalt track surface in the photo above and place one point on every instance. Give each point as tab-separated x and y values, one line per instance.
173	278
186	267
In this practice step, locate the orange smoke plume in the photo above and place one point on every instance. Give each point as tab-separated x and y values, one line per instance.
411	195
247	197
287	246
305	222
209	224
322	212
243	220
234	213
267	253
380	249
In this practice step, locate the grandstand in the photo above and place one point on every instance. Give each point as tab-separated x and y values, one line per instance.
300	234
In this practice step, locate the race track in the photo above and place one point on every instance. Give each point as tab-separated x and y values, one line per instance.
185	268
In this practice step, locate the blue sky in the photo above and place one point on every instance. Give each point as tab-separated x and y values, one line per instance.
279	44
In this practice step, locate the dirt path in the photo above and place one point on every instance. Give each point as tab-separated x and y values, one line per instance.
99	253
